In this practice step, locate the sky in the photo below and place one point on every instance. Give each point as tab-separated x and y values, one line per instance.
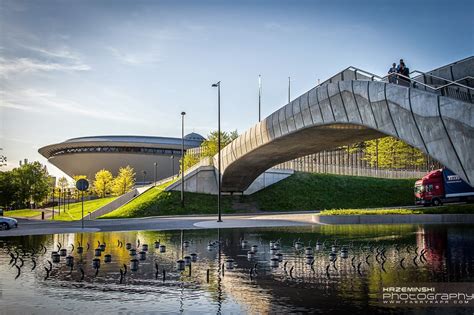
71	68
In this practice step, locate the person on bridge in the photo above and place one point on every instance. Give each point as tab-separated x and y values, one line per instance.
404	77
392	77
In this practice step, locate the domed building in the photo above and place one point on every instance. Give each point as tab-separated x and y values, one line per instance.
88	155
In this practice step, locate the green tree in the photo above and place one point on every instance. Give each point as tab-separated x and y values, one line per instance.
392	153
103	183
32	183
8	189
124	181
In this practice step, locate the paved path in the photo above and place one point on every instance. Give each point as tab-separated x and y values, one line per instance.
35	227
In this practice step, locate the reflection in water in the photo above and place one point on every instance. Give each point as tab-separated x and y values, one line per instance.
337	269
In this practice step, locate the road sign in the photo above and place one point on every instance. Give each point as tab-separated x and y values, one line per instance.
82	184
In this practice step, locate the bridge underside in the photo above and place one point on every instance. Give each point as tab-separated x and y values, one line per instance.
305	142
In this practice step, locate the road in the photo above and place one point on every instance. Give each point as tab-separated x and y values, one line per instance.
35	227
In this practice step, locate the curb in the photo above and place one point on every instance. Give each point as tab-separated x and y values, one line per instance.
394	219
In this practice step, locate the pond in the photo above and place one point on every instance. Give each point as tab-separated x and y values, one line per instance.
322	269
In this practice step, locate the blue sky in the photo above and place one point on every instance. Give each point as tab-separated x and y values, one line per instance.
78	68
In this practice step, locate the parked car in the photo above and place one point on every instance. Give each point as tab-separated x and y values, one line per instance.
8	223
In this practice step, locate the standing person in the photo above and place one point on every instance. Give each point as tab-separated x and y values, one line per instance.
392	77
405	72
399	65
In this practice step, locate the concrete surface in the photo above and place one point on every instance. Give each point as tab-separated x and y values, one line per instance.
394	219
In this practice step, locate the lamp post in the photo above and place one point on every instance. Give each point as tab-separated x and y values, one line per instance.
154	182
59	201
172	165
218	85
182	158
144	176
259	97
289	89
53	201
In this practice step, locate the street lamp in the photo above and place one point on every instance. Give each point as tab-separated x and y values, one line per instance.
172	165
218	86
182	158
144	176
155	164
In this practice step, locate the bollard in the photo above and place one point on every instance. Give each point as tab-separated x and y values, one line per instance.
250	254
157	244
298	245
133	251
334	248
97	252
229	263
344	252
279	256
187	260
42	215
309	259
162	248
108	258
274	262
193	257
69	261
56	258
164	275
145	247
319	246
308	251
142	255
332	256
80	250
102	247
244	243
96	263
207	276
134	264
190	267
63	252
254	248
180	265
128	246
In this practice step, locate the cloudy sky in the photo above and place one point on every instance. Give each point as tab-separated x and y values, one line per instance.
104	67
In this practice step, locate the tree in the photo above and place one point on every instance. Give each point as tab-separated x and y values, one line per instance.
8	189
103	183
124	181
389	152
32	183
210	145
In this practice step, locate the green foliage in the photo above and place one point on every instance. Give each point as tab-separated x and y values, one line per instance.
103	183
392	153
190	160
124	181
28	183
23	213
450	209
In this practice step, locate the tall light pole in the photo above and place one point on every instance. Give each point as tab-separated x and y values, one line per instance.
259	97
289	89
182	158
218	85
155	165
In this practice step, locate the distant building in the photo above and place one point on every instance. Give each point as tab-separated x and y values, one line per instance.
88	155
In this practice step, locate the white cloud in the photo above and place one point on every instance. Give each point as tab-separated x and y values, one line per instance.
134	58
31	100
26	65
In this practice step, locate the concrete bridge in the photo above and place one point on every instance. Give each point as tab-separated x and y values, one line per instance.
355	106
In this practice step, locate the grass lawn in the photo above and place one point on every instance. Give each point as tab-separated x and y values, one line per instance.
301	191
22	213
449	209
156	201
75	209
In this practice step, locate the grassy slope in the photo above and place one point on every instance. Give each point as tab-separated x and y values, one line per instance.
305	191
301	191
75	209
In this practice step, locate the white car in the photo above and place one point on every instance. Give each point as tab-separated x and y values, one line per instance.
8	223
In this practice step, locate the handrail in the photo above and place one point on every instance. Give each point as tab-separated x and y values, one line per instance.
440	78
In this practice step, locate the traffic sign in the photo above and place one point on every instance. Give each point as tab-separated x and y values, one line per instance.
82	184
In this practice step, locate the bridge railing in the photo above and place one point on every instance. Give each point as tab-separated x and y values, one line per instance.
445	87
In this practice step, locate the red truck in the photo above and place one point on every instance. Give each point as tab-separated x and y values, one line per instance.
441	186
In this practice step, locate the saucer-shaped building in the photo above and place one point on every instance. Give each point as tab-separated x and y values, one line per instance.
88	155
